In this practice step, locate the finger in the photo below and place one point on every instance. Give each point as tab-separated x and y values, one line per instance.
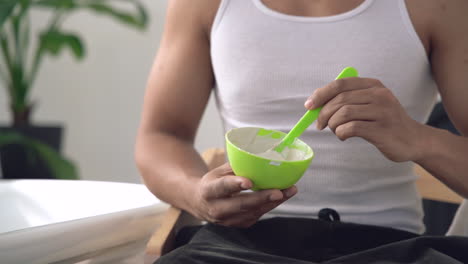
240	221
287	194
290	192
356	97
324	94
270	205
225	186
226	170
348	113
250	217
246	202
223	170
363	129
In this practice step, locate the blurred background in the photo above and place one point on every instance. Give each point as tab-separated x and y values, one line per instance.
98	100
93	97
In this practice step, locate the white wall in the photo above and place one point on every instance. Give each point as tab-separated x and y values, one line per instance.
99	100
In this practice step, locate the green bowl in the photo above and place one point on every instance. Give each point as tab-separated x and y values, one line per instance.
243	146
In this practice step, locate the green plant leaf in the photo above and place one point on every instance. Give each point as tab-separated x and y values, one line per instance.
25	36
138	19
7	60
7	138
57	4
6	8
5	46
54	41
19	88
60	167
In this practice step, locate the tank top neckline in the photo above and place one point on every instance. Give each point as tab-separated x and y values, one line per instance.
313	19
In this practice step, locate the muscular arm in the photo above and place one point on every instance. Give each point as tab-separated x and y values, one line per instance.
446	155
179	86
362	107
178	89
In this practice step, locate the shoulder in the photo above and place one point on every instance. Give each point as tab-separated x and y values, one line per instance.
439	21
450	23
197	13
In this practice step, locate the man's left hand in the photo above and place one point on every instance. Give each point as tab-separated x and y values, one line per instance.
363	107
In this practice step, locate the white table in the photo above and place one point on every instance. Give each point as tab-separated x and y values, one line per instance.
48	221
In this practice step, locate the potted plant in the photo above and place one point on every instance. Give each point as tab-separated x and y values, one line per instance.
28	150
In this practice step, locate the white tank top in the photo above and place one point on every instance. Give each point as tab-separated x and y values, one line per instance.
267	63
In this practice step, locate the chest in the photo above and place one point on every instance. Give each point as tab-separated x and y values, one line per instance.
306	8
266	64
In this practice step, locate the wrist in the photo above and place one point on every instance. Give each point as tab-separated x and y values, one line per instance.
426	146
191	197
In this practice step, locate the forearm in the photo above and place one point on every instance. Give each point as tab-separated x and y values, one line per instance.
170	167
445	156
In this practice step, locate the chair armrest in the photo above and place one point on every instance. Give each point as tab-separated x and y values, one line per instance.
431	188
162	241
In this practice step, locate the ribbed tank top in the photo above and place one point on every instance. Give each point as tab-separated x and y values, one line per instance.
267	63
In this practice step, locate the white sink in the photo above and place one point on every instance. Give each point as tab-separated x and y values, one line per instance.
46	221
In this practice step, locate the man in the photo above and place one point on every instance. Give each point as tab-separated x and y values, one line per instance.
264	58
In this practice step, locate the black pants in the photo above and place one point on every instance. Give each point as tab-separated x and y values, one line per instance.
293	240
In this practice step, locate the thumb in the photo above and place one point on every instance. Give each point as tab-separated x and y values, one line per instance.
226	186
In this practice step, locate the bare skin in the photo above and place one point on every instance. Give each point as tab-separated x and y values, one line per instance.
170	166
175	172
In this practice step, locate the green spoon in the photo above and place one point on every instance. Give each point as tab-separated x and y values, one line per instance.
310	116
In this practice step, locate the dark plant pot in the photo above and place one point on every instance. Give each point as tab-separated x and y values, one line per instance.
20	163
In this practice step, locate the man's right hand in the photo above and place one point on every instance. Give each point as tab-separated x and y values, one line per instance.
219	199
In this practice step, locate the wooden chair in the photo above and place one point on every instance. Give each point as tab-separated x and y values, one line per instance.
162	240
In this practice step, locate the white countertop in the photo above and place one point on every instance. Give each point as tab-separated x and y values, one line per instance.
43	221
